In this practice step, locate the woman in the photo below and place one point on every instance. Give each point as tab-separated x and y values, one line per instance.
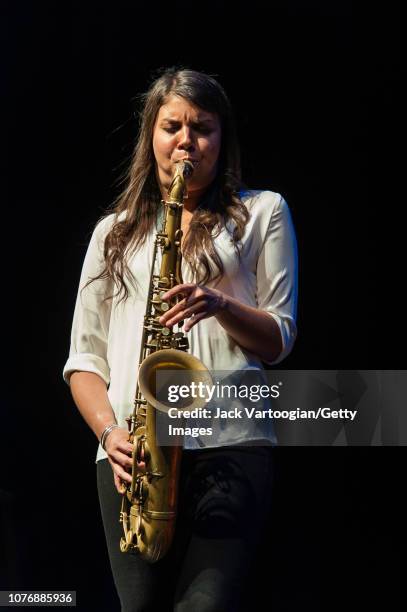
239	305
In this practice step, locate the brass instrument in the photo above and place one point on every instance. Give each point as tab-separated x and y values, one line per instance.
148	509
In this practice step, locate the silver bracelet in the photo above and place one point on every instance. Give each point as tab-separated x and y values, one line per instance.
105	433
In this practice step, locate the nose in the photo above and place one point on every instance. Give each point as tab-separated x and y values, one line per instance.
186	142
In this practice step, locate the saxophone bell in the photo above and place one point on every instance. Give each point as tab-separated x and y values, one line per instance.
177	366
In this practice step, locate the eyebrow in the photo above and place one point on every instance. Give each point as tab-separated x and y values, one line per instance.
177	122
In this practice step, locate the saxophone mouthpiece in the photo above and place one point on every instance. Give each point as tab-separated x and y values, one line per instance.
187	168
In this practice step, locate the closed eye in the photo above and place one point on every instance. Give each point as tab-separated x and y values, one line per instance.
203	129
198	128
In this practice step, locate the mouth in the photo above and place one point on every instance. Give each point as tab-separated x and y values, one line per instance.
194	162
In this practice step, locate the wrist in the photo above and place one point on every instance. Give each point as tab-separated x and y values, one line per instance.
106	433
223	305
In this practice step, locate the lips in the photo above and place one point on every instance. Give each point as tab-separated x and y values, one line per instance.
193	161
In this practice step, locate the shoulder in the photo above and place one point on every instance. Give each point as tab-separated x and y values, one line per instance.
270	216
100	231
105	224
265	207
262	202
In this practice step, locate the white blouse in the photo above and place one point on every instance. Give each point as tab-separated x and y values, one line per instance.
106	336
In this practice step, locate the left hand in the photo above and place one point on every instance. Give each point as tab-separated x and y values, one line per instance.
198	303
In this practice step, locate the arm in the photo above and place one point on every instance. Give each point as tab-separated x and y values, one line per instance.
89	392
87	368
91	320
277	276
255	330
269	330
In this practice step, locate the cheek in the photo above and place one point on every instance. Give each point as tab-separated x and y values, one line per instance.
212	149
161	145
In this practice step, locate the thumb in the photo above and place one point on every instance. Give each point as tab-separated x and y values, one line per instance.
118	484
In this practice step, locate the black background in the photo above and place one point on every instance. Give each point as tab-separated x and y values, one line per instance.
315	95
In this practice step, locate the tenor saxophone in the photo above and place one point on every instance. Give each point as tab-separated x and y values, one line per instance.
149	502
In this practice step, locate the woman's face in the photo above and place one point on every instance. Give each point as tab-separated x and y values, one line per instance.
185	131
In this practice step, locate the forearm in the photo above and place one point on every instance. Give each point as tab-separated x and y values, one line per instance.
89	392
253	329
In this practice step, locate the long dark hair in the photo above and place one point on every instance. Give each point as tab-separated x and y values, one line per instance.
141	197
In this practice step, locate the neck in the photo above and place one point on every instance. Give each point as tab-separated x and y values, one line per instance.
193	198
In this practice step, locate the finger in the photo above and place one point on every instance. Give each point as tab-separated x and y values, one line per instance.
173	311
179	309
182	288
194	320
141	467
125	447
120	486
120	472
124	460
188	312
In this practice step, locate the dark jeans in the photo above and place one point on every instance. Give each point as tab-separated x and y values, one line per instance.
223	506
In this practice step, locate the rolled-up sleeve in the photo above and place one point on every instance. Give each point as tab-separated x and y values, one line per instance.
90	327
277	275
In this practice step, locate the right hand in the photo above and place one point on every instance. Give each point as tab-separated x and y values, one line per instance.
120	455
